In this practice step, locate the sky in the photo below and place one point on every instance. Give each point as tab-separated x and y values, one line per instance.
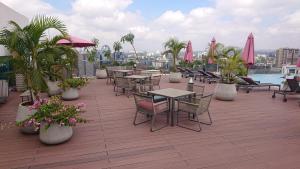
274	23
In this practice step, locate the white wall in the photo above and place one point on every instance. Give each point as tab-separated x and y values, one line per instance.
7	14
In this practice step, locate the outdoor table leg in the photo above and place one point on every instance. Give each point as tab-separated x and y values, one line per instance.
172	110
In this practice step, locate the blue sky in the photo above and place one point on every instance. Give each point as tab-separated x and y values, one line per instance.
274	23
149	9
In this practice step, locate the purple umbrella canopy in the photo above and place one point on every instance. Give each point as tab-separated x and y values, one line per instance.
248	52
75	42
188	56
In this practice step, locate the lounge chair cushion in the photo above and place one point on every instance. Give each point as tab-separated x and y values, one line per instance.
145	104
159	99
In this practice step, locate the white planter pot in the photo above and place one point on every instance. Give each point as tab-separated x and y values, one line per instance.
226	92
20	82
70	94
55	134
101	74
175	77
53	88
22	114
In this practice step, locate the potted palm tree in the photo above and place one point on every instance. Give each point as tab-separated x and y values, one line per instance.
54	120
174	46
30	50
231	66
70	88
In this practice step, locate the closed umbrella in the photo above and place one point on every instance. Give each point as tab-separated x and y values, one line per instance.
298	62
248	52
188	56
211	52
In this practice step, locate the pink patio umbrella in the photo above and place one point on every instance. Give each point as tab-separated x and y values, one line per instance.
298	62
248	52
188	56
211	53
76	42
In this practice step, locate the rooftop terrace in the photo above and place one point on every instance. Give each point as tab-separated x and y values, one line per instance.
253	132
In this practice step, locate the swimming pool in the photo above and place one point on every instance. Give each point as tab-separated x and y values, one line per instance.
267	78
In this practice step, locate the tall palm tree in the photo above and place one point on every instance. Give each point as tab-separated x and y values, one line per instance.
130	39
174	46
31	49
117	47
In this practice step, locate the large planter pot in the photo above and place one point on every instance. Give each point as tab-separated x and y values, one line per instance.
55	134
22	114
70	94
175	77
226	92
20	82
101	74
53	88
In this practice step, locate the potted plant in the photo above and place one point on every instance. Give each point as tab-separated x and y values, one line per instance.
174	46
70	87
54	120
231	66
29	52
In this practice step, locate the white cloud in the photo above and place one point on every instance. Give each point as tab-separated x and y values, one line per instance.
275	23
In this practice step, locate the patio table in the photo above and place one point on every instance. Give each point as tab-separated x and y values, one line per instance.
171	94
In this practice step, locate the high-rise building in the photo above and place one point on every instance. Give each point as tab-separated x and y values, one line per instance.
286	56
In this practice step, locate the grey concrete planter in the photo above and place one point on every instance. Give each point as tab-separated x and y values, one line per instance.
226	92
175	77
101	73
53	88
22	114
55	134
70	94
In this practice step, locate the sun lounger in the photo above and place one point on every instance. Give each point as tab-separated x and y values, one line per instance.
204	76
294	88
250	84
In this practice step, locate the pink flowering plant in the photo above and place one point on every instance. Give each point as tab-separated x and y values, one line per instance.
54	111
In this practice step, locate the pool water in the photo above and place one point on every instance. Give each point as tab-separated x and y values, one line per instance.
267	78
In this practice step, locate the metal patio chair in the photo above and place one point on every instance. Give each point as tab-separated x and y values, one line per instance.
145	105
196	107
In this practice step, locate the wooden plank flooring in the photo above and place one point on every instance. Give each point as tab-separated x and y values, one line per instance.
253	132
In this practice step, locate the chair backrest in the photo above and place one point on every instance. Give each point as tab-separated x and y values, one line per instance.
122	82
249	80
204	73
155	80
3	88
212	74
204	103
143	102
199	90
293	84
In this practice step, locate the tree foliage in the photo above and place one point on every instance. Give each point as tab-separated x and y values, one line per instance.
174	46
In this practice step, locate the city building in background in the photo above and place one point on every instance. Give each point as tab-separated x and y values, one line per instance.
286	56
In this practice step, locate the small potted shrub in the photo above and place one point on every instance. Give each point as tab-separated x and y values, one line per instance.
71	86
231	65
174	46
54	121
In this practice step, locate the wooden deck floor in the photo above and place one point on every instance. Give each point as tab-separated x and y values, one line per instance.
253	132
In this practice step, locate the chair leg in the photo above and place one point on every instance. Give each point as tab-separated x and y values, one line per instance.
152	124
134	121
188	127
